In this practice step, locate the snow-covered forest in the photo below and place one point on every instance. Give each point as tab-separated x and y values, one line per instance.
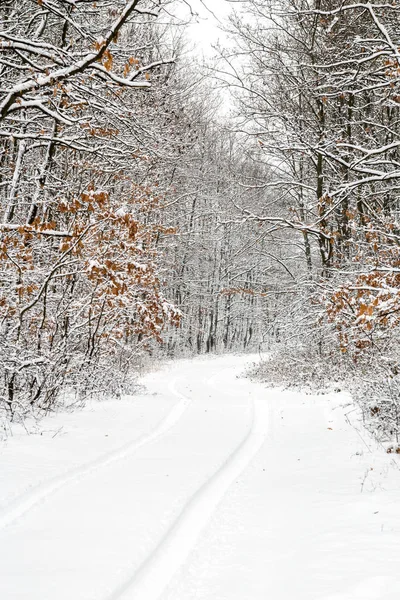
154	203
199	299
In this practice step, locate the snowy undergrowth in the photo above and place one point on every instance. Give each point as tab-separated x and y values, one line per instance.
296	368
74	396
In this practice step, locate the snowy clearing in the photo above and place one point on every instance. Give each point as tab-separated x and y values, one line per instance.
206	487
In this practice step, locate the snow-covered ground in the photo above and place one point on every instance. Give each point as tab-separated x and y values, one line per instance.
206	487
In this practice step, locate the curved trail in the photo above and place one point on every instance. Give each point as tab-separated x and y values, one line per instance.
152	577
41	493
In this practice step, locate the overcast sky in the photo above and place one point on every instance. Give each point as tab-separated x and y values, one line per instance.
204	31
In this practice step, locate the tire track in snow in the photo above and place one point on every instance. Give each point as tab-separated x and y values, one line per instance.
41	493
150	580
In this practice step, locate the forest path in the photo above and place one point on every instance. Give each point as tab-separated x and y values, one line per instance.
207	487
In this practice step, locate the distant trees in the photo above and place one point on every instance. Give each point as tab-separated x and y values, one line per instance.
213	255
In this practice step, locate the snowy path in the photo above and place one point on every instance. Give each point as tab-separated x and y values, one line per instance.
207	487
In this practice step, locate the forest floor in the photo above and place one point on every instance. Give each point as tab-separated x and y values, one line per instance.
207	486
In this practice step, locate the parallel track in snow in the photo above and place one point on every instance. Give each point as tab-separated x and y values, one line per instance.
150	580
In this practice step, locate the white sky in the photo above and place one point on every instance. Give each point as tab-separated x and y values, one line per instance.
204	31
